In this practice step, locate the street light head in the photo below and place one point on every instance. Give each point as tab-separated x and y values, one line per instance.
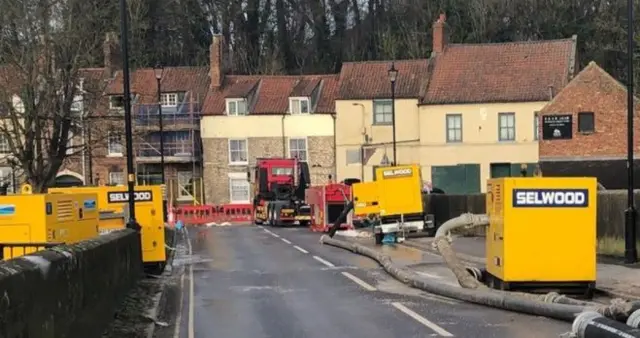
158	70
393	73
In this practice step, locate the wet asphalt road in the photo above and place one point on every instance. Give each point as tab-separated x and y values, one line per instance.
253	282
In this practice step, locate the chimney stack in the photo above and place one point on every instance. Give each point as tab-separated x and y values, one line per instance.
111	50
440	34
217	61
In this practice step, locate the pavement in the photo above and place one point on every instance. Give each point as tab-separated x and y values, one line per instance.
249	281
618	280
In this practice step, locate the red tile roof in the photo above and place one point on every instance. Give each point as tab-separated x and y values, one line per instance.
272	92
174	79
370	79
501	72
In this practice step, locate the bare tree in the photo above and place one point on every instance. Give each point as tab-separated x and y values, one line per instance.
44	45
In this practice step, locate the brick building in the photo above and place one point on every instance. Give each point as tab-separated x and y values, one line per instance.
584	130
248	117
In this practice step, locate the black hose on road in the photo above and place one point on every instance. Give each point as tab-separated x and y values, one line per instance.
593	325
481	296
341	218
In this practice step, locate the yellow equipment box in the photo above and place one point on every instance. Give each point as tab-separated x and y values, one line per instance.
32	222
399	190
113	200
542	232
365	197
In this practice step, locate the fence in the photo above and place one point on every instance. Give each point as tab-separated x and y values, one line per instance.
206	214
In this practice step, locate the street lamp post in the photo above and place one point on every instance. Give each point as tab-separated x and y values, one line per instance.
159	70
393	75
630	250
124	31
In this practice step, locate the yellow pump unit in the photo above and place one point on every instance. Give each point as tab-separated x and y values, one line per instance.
395	198
542	233
112	202
33	222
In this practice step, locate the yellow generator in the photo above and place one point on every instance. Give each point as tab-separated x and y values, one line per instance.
542	233
395	200
112	202
33	222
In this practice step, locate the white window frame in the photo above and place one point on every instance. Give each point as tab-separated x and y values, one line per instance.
111	153
18	104
182	176
379	116
232	107
306	148
6	176
77	106
246	151
113	174
71	143
235	178
506	127
349	154
5	148
451	128
169	99
295	105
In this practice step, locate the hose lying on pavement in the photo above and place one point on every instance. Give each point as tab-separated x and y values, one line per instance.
480	296
593	325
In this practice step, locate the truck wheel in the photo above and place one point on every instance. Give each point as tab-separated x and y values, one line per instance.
379	238
304	224
268	212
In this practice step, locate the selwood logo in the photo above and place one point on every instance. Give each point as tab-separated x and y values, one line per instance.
397	172
565	198
123	196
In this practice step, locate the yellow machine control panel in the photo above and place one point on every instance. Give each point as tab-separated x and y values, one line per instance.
149	214
542	229
399	190
30	222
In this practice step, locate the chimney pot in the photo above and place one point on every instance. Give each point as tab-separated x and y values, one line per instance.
442	18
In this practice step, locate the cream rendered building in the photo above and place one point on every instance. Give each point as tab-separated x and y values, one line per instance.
466	114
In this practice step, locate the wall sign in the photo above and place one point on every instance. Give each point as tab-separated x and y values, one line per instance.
557	127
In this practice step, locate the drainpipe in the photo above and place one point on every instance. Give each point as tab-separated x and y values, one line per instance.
284	138
84	150
335	148
362	163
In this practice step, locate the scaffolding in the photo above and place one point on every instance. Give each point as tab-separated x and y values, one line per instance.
182	148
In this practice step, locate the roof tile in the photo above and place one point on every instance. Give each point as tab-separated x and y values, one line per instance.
370	80
500	72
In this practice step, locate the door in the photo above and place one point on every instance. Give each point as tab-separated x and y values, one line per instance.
457	179
500	170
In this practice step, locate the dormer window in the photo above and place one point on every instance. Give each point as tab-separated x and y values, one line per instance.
299	105
237	107
117	101
169	99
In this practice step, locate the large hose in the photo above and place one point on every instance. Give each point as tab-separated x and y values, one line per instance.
341	218
591	324
634	319
480	296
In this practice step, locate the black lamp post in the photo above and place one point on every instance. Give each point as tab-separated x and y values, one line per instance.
393	75
159	70
131	177
630	250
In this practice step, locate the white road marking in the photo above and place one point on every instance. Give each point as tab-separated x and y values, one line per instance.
301	249
267	231
260	227
329	264
285	240
274	235
359	281
424	321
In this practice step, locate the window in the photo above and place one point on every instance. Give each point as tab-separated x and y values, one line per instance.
298	148
236	107
169	99
299	105
586	122
114	146
18	105
536	126
354	156
454	128
507	126
239	190
77	104
6	177
116	178
382	112
185	185
5	148
116	102
70	144
238	152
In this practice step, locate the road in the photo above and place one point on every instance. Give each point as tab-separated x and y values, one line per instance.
248	281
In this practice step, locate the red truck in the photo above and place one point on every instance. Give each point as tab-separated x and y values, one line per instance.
327	203
280	185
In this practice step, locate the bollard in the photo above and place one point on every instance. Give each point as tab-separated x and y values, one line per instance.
634	319
593	325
